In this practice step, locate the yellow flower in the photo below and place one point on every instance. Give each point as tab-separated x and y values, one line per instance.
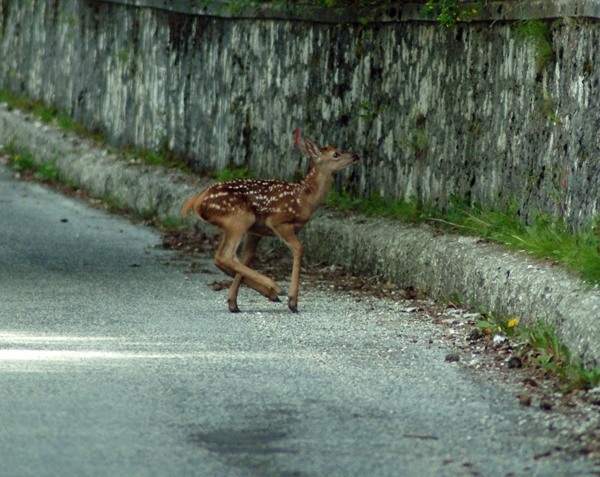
513	322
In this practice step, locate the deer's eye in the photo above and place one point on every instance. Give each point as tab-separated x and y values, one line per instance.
336	155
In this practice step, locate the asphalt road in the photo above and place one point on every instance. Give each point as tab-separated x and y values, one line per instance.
115	362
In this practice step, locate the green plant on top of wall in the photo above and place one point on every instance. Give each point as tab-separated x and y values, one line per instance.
446	12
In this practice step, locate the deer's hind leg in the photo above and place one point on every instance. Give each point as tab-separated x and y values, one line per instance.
227	261
248	252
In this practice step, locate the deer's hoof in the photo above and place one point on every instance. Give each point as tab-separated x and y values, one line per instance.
276	300
293	308
233	308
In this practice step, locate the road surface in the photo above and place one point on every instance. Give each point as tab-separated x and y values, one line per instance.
116	362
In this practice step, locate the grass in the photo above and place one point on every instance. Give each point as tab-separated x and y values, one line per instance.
23	161
162	156
232	173
539	346
538	33
376	205
546	238
52	115
49	114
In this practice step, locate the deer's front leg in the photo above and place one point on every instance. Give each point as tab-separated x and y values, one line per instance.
287	234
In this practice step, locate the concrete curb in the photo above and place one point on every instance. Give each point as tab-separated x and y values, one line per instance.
481	274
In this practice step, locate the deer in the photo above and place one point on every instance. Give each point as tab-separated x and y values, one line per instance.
265	208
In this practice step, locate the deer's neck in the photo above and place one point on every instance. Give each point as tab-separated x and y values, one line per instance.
317	184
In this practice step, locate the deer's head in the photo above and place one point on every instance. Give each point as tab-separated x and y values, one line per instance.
328	158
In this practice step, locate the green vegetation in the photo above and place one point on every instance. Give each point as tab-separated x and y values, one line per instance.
232	173
48	114
539	346
416	139
547	238
376	205
446	12
162	156
23	161
52	115
538	33
368	112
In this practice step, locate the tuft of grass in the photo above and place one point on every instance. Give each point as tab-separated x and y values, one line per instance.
547	106
23	161
376	205
162	156
448	12
50	114
172	223
232	173
539	346
546	238
538	33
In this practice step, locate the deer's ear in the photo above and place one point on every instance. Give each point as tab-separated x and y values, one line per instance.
309	148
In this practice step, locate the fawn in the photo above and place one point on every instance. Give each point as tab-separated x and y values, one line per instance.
261	208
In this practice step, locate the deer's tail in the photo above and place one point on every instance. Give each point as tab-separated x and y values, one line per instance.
194	203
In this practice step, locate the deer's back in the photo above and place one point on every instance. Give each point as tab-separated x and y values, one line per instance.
269	201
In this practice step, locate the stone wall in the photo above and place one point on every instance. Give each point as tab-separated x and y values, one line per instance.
436	112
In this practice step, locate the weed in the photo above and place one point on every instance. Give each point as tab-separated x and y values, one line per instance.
113	204
163	156
172	223
229	174
49	114
538	33
580	377
544	348
547	238
47	171
448	12
368	112
539	346
24	161
417	140
411	211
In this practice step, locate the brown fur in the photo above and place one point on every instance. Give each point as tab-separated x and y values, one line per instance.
259	208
